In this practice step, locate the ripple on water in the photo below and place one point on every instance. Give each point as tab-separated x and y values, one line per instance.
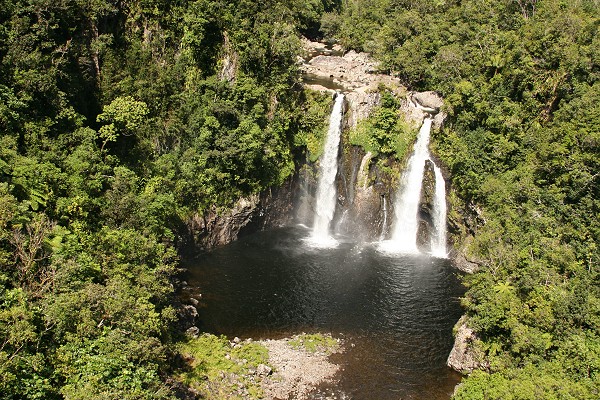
394	312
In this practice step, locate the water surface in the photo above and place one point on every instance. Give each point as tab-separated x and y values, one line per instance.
394	313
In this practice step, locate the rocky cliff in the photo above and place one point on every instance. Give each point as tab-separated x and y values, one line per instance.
250	214
466	356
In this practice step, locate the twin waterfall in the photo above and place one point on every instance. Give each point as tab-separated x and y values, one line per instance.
406	207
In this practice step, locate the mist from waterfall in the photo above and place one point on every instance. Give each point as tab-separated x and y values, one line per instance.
326	189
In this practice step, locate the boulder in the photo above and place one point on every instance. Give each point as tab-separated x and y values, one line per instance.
192	332
263	370
465	265
465	356
428	100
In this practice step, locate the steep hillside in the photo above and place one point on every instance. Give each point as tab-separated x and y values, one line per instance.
119	120
521	85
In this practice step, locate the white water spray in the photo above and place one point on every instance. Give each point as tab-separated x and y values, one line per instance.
438	242
406	207
385	218
326	191
404	236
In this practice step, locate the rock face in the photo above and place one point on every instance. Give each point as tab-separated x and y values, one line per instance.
360	205
465	357
352	71
213	229
426	228
461	262
229	61
250	214
356	75
463	227
428	100
360	105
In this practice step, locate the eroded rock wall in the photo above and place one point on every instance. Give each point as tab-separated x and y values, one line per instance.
272	208
426	228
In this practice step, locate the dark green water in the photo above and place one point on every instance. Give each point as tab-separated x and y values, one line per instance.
395	313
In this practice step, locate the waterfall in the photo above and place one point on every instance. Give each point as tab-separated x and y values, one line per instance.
326	191
438	242
406	207
385	218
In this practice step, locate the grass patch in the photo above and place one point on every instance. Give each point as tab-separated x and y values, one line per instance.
220	370
315	342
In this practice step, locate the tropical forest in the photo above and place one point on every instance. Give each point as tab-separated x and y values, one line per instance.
320	199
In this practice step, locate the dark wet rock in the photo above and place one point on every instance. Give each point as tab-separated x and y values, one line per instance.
187	315
426	227
190	311
361	214
250	214
192	332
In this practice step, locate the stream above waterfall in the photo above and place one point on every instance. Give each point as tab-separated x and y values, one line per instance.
394	313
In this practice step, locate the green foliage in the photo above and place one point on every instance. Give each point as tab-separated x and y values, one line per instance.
312	131
116	123
527	383
520	82
111	366
385	132
217	367
123	115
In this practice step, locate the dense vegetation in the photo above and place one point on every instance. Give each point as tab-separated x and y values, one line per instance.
118	121
383	132
521	80
121	119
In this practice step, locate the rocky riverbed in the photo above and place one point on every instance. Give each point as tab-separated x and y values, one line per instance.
297	371
271	369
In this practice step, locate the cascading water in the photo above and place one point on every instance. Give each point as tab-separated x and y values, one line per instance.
385	218
404	236
438	242
326	191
